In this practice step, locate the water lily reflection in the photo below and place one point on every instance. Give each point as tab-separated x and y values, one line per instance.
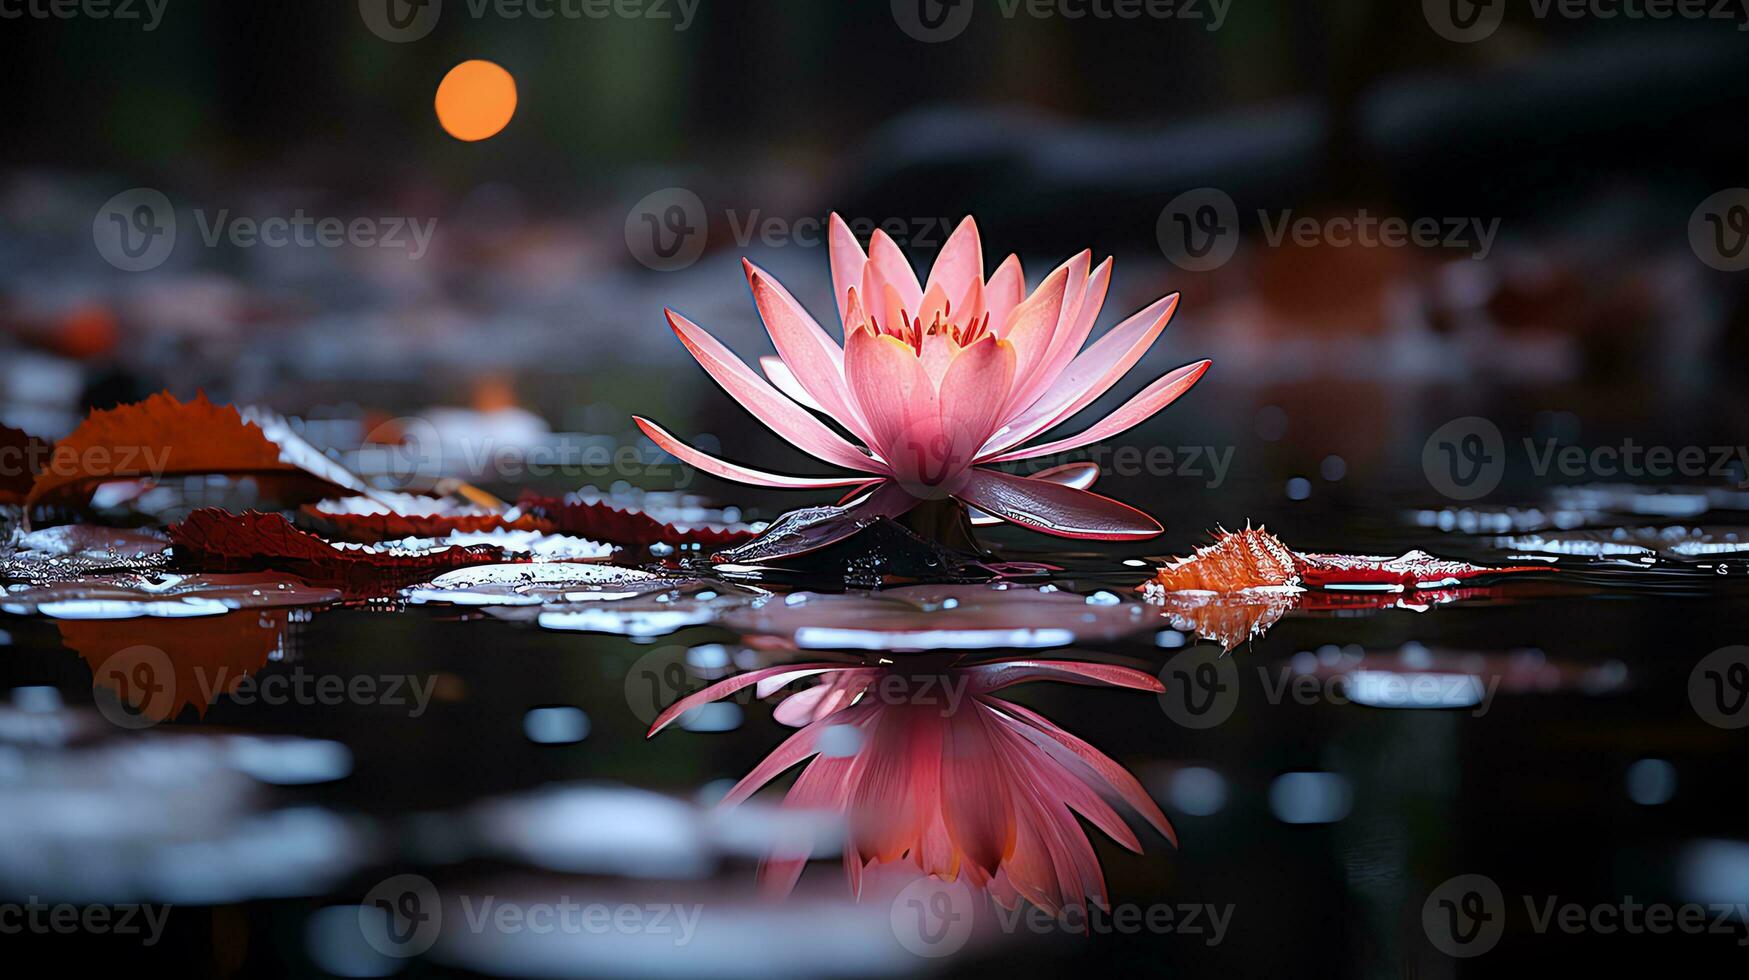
932	770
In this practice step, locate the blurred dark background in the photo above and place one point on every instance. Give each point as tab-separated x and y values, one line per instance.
1587	144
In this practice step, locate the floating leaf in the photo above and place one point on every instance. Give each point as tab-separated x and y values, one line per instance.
1408	572
534	583
1254	559
163	436
392	516
213	539
132	596
599	520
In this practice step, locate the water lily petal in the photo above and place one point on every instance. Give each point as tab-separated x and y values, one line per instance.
893	269
1034	321
1053	508
1073	328
1078	475
960	263
784	380
974	390
848	260
735	471
1164	391
1004	291
814	358
1089	375
896	397
766	404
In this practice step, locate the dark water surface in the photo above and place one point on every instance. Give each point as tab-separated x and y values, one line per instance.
1368	786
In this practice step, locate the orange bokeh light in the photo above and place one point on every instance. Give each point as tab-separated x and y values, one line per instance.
475	100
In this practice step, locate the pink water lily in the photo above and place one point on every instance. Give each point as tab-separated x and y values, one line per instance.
941	381
945	776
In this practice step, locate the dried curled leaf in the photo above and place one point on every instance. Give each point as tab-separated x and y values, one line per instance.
1255	559
213	539
164	436
1238	560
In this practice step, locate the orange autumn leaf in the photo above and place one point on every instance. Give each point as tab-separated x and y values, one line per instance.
1251	559
1238	560
164	437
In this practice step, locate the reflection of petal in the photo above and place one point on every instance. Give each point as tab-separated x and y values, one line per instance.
948	778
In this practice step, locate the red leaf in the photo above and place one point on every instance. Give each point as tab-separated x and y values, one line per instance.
1408	572
163	436
214	539
389	525
599	521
